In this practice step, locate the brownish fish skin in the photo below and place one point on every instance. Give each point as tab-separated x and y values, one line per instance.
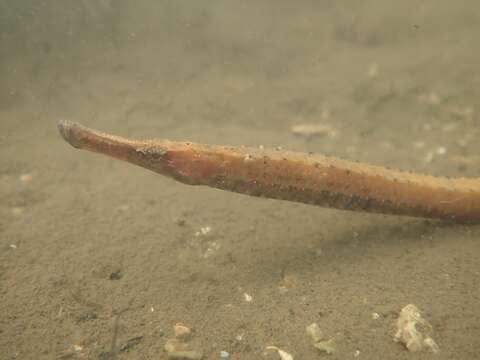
292	176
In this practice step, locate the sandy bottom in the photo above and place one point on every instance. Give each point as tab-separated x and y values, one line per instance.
98	255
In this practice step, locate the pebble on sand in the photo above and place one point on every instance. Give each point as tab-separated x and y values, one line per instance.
180	347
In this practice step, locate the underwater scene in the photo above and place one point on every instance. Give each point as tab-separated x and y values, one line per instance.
292	180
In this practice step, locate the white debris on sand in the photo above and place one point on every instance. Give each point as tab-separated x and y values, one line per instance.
204	243
203	231
327	346
314	332
247	297
224	354
441	150
282	353
212	248
414	331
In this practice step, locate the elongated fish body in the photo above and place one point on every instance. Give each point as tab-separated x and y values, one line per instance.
293	176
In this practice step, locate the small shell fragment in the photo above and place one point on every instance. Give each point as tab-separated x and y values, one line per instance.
180	347
247	297
441	150
205	230
414	331
181	331
224	354
282	353
212	248
327	346
290	281
313	330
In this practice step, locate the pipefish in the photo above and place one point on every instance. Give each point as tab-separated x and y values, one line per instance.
292	176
